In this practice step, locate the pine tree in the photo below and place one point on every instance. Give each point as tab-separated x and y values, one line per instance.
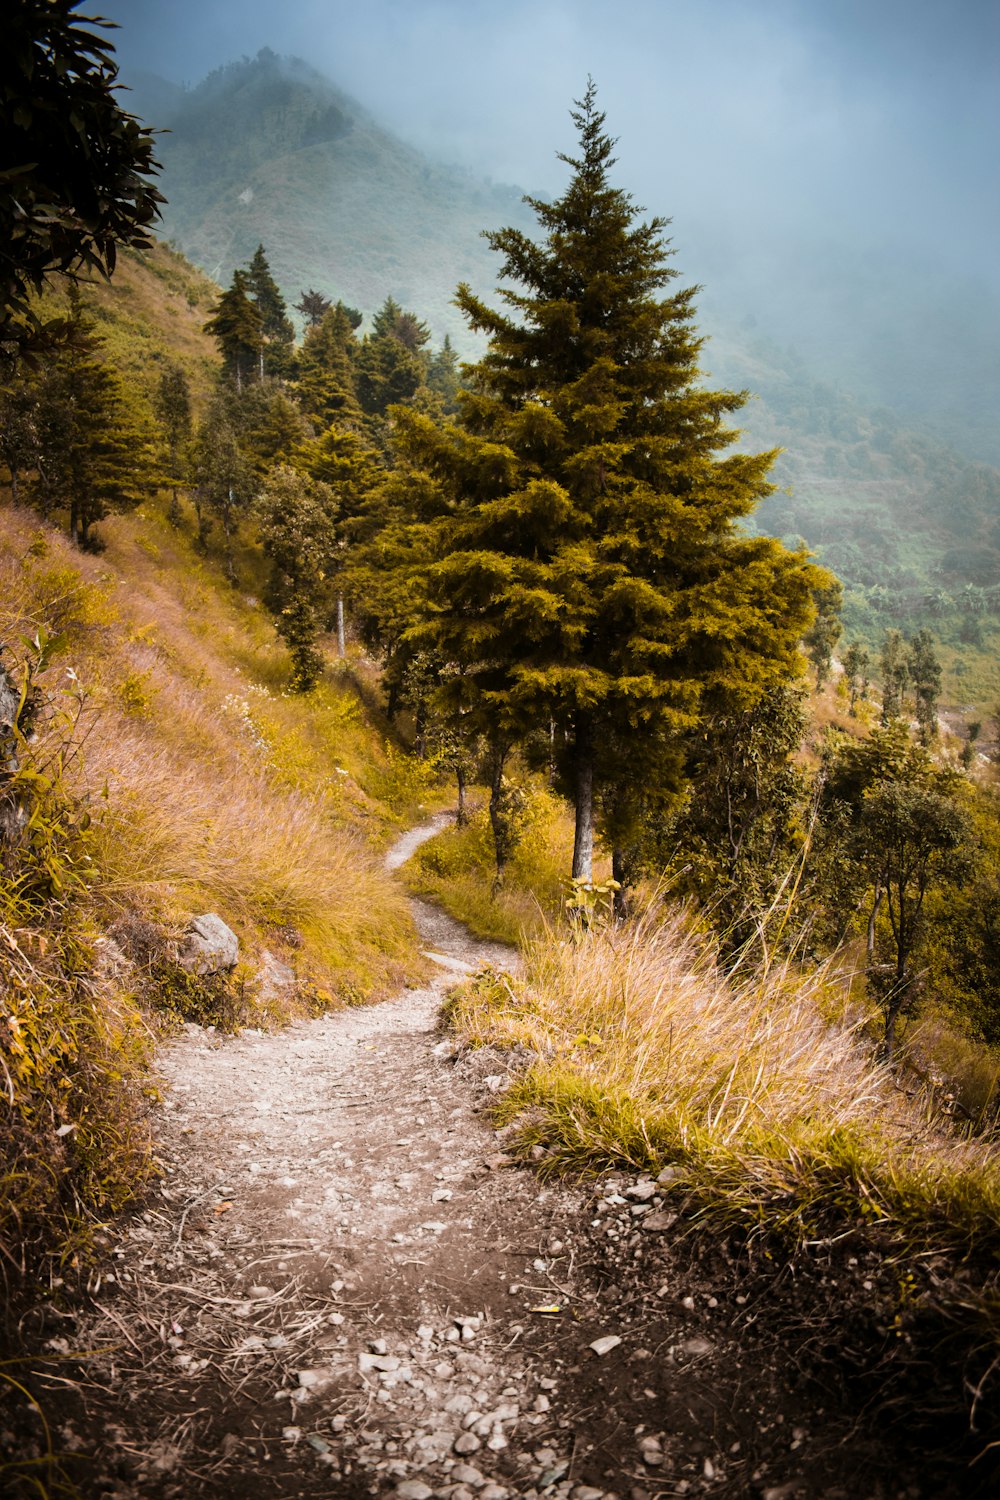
312	305
326	383
925	677
591	569
172	403
276	352
443	376
96	449
18	425
237	327
298	534
226	484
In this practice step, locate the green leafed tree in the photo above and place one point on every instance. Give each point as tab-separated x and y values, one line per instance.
296	516
326	380
75	179
825	631
590	569
925	678
312	305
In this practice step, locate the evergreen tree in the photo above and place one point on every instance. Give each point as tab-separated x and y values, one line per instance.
387	373
18	425
76	166
443	377
405	327
172	403
226	484
95	438
895	674
590	567
326	383
825	631
275	355
312	305
237	327
297	531
925	677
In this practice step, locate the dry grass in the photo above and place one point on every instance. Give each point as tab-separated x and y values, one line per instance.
216	789
458	869
768	1104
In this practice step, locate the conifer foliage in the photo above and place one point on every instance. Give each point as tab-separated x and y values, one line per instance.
591	572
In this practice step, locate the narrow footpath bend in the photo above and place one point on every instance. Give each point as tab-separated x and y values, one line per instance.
338	1292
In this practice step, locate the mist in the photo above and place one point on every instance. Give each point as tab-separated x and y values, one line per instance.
830	170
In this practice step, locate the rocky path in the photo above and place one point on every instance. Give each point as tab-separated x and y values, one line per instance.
345	1289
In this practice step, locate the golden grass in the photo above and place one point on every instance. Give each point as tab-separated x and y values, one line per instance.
216	789
457	869
772	1109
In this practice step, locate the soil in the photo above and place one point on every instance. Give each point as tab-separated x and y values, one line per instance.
345	1287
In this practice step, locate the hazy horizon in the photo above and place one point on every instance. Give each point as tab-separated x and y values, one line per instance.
830	171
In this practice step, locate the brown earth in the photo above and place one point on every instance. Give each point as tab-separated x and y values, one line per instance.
344	1287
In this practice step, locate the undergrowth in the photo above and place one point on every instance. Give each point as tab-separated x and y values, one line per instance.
757	1089
457	868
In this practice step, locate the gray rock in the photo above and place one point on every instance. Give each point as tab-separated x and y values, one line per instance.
467	1442
413	1489
209	946
274	978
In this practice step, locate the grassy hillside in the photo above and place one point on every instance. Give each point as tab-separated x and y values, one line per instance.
163	771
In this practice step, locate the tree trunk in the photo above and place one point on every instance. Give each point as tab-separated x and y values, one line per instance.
460	816
341	643
621	875
583	837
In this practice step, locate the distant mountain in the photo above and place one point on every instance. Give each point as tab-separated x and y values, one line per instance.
267	150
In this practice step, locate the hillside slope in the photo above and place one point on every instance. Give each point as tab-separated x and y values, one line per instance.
269	150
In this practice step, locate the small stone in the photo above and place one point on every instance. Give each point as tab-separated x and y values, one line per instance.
604	1345
697	1346
467	1442
466	1474
413	1489
642	1190
541	1403
659	1221
667	1176
494	1492
651	1451
586	1492
708	1469
459	1404
378	1346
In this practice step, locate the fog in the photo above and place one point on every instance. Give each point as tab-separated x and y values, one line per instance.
802	149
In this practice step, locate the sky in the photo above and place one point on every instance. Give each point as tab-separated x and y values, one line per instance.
784	138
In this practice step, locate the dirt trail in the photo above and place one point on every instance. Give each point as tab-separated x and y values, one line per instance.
337	1293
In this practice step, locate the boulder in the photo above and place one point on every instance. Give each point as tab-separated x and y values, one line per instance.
209	945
